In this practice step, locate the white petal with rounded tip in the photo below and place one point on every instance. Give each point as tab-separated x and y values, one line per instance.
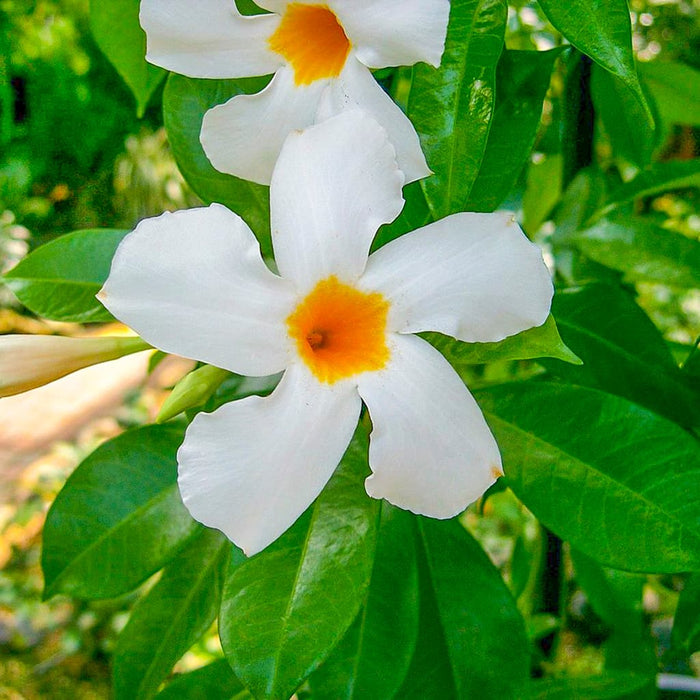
333	186
243	136
431	450
208	38
394	32
356	87
252	467
475	277
193	283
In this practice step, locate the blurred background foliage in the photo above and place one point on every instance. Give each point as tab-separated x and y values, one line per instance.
74	155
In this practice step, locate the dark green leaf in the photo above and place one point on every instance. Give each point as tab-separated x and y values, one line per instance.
185	100
174	614
373	657
59	280
476	613
601	29
686	622
213	682
543	341
610	686
622	351
284	609
452	106
676	91
614	479
642	251
522	80
115	26
414	215
118	519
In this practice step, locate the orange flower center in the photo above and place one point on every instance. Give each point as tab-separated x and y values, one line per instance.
312	39
340	331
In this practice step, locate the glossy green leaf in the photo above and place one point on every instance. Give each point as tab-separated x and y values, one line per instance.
657	178
601	29
686	622
452	106
622	351
476	613
172	616
59	280
642	251
611	477
522	79
185	100
542	190
543	341
372	659
415	214
212	682
610	686
676	90
118	519
632	135
284	609
115	26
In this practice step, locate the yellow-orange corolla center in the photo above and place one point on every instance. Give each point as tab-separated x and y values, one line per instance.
312	39
340	331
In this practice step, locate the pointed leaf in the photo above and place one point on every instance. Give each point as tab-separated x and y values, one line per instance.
59	280
118	519
452	106
172	616
614	479
284	609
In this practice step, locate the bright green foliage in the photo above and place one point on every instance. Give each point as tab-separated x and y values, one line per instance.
452	106
676	91
686	628
59	280
213	682
118	519
273	628
116	29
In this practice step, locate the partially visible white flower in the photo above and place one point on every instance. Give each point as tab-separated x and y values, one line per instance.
29	361
320	53
340	324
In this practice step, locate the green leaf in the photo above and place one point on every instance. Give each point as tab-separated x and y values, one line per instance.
642	251
116	29
657	178
542	190
59	280
601	29
632	134
185	100
372	659
174	614
676	91
543	341
452	106
686	622
612	478
610	686
118	519
284	609
213	682
414	215
522	79
622	351
475	613
194	389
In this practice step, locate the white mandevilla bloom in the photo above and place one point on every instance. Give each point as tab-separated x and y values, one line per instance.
320	54
340	323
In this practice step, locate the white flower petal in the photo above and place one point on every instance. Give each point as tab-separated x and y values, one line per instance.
394	32
243	136
431	451
356	87
475	277
333	186
208	38
193	283
252	467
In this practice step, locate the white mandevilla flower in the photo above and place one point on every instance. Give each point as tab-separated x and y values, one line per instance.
320	54
340	323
